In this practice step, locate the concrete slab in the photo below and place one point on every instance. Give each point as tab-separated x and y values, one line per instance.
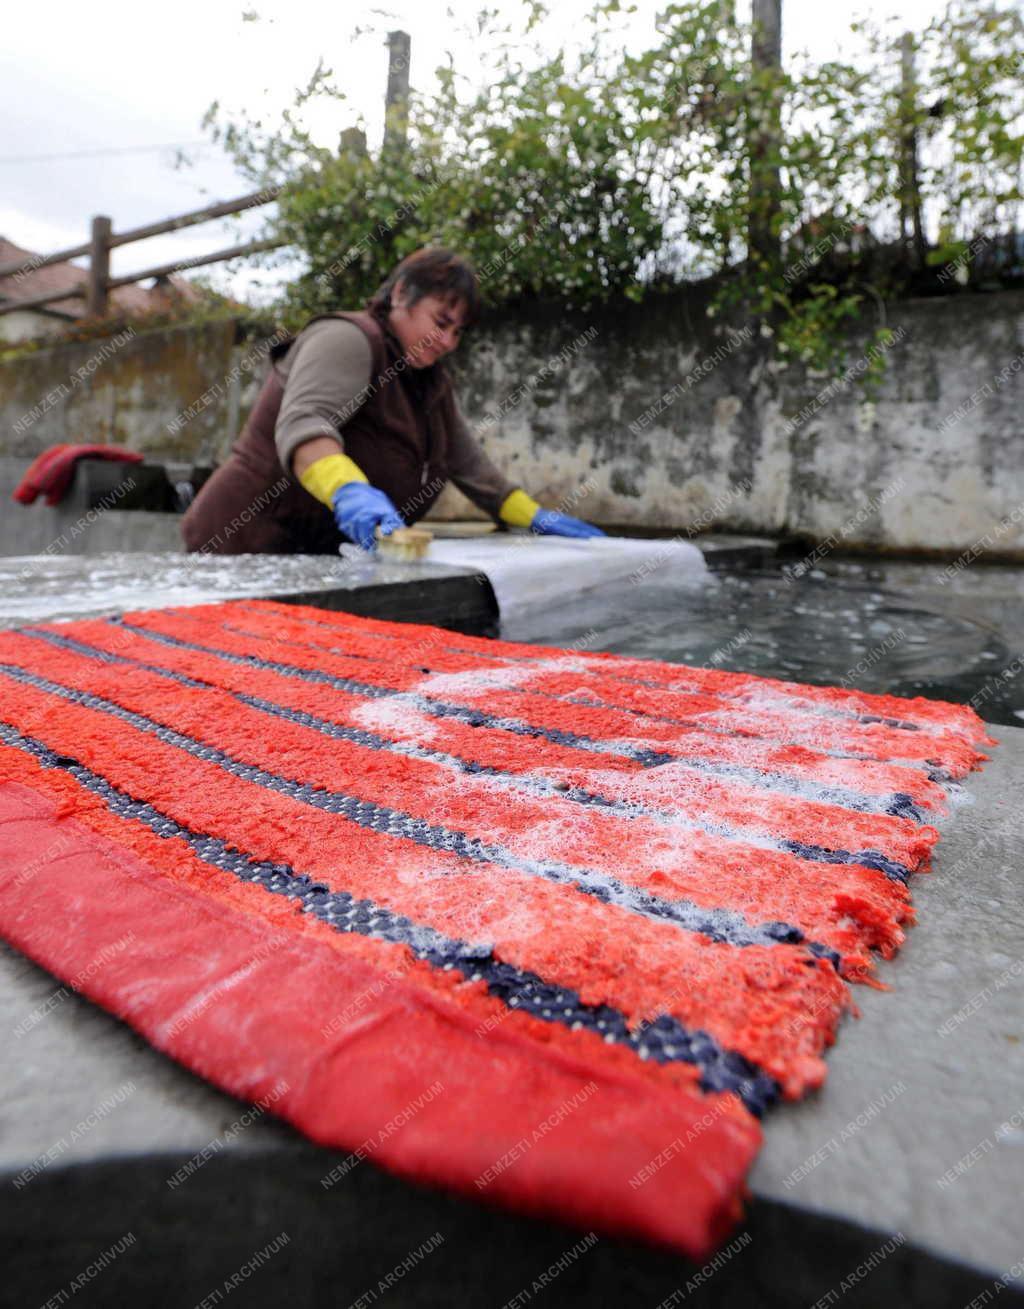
45	588
83	523
730	550
898	1185
516	572
920	1128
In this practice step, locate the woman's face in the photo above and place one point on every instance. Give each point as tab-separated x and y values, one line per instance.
429	330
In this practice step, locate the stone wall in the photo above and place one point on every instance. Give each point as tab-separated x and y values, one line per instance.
666	419
172	393
647	416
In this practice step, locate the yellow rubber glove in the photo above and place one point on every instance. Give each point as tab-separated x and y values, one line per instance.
518	509
323	477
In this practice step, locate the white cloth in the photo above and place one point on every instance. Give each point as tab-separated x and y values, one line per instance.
530	572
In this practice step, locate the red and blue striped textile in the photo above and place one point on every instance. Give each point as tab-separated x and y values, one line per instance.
550	929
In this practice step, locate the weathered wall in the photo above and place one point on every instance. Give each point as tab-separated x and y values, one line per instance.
644	415
173	393
21	324
934	462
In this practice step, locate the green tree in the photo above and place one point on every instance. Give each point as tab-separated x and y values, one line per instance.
603	173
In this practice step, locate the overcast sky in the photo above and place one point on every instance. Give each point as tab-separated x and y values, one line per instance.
89	90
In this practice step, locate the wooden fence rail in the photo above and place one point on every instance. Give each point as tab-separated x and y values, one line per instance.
100	283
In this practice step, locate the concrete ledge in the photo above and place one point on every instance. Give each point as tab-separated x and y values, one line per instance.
920	1127
44	588
724	550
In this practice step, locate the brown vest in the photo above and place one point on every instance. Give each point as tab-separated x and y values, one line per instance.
398	436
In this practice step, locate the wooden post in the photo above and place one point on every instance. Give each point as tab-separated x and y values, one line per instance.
99	267
766	60
352	142
396	100
910	192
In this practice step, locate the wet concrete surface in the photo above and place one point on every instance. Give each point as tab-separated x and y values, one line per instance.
42	588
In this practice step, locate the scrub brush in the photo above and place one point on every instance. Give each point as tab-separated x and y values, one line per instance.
404	544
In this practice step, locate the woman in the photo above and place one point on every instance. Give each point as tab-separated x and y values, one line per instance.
357	427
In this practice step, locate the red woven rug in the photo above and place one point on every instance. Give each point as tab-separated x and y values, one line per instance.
550	929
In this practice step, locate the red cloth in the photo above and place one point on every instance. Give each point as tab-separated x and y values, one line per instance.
52	472
477	1097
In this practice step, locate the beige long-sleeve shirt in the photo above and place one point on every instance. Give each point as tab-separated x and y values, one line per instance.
327	375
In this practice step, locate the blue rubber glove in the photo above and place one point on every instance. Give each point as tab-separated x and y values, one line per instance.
549	522
359	508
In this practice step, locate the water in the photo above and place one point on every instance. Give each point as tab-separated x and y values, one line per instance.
891	627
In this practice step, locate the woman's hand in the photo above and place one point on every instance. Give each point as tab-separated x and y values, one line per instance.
549	522
359	509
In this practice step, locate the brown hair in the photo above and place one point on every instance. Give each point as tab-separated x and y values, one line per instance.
432	270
